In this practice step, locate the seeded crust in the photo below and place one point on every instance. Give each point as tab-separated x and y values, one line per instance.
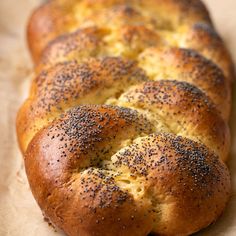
161	62
88	184
183	108
125	128
189	66
98	81
57	17
71	84
188	27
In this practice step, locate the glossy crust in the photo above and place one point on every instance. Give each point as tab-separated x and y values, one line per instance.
70	84
189	26
88	184
211	46
151	159
96	81
57	17
140	44
183	108
189	66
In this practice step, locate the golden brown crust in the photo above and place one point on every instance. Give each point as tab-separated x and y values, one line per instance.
189	66
161	63
212	47
46	20
94	82
139	43
184	109
70	84
83	182
185	28
58	17
151	159
89	42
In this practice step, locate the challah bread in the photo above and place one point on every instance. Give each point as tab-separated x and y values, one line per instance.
98	80
98	171
125	128
181	23
57	17
158	63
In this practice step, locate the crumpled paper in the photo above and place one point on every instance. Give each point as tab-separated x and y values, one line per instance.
19	213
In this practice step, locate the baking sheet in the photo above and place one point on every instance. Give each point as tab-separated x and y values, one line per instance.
19	214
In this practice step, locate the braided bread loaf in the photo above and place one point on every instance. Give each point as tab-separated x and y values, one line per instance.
125	129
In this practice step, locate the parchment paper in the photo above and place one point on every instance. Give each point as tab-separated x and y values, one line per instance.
19	213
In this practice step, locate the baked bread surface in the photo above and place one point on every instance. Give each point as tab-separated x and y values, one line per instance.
125	128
